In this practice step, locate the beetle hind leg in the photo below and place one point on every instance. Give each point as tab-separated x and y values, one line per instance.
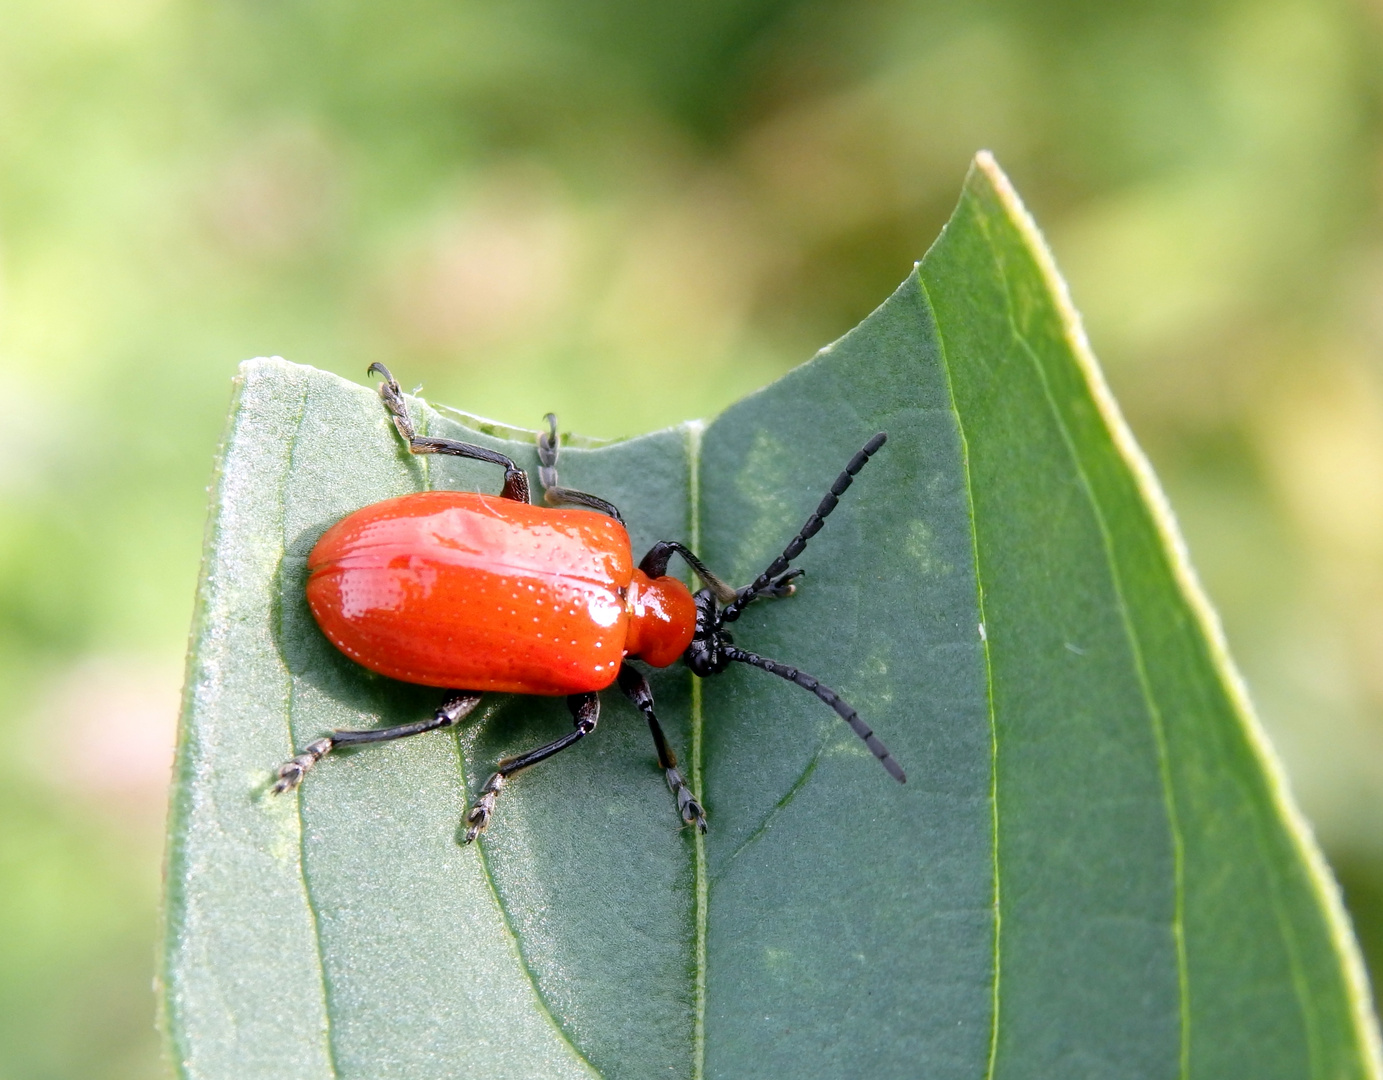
585	712
290	774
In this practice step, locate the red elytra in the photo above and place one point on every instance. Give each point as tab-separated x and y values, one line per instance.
452	588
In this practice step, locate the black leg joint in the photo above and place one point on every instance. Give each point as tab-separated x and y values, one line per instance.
655	563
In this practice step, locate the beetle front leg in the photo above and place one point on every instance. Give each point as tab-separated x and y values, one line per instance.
291	772
654	564
637	690
585	712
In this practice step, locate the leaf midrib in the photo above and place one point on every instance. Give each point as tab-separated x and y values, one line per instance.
701	903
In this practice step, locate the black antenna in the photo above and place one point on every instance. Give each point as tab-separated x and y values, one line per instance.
765	584
826	694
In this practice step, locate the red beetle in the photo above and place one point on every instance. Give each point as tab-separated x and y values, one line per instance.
490	593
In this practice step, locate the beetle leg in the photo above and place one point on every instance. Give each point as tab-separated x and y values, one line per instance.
654	564
291	773
515	479
585	711
553	493
637	690
556	496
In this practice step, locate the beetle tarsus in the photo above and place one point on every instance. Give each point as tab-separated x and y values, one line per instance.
687	804
547	452
515	479
291	772
553	493
478	818
392	397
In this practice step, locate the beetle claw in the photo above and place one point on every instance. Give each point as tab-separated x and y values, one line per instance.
782	585
291	773
687	804
478	819
290	776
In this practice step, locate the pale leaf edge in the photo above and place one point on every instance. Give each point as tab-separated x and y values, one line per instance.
1326	889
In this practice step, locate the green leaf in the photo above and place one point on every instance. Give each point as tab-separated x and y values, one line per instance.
1093	869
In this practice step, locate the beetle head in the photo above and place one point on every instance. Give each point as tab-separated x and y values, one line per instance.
706	653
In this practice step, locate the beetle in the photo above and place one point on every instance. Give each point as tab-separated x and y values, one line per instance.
492	593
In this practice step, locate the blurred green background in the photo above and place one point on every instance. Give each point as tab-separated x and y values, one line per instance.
633	213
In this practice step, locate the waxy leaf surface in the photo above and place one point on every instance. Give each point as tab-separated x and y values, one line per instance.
1092	871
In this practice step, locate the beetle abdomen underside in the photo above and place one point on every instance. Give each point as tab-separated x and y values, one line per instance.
475	592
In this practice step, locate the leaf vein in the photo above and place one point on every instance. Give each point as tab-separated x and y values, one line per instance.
778	808
989	686
1156	722
513	938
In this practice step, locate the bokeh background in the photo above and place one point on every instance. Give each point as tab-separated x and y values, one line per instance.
634	213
